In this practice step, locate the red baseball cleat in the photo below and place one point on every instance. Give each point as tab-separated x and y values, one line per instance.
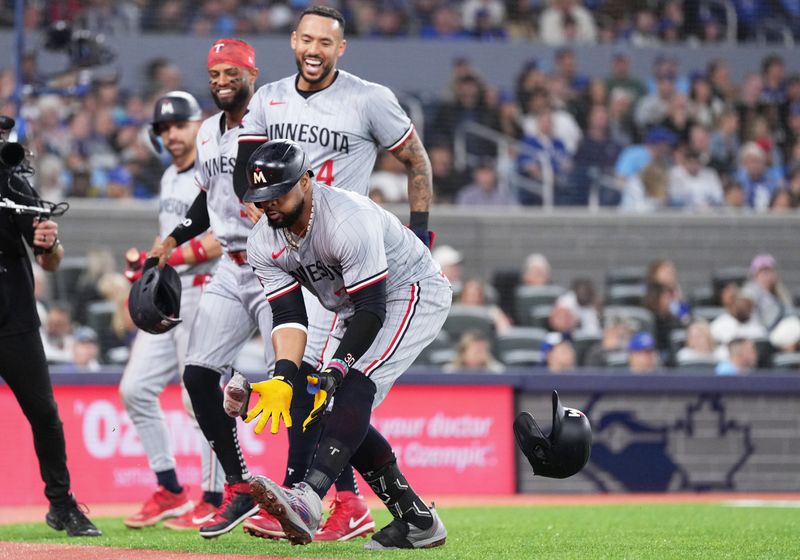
163	504
194	519
349	518
263	525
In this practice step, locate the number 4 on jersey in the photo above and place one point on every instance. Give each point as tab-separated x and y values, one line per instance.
325	173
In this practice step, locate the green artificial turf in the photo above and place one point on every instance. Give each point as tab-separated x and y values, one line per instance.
706	531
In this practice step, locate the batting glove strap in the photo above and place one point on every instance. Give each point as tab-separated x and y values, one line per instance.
322	385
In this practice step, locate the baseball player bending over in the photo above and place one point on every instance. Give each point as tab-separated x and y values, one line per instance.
390	300
341	122
156	358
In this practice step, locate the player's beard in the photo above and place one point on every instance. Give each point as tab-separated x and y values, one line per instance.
327	68
238	100
288	220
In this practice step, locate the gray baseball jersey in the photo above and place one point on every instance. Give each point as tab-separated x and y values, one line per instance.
341	128
336	259
156	360
232	306
216	158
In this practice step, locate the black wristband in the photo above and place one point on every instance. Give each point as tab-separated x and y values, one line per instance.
418	220
286	369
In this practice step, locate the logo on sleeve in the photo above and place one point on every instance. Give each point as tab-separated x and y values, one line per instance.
276	254
272	102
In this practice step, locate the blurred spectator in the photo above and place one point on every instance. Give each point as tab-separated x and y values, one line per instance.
536	271
563	319
509	116
469	106
693	186
566	68
773	76
529	81
758	183
389	177
621	78
495	12
725	143
547	154
451	262
474	353
552	28
704	108
445	23
620	117
558	352
663	298
473	293
647	191
521	20
645	29
742	358
722	86
111	17
616	334
484	191
57	336
771	298
85	350
161	75
737	321
700	344
582	300
642	355
116	340
654	107
564	125
657	146
734	194
593	162
447	181
785	336
748	103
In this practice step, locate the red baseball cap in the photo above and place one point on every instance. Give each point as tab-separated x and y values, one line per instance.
232	51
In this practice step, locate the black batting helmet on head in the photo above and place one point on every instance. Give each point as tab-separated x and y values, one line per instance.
562	453
175	106
274	168
155	299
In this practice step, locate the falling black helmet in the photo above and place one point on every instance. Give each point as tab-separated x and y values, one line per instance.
562	453
274	168
155	299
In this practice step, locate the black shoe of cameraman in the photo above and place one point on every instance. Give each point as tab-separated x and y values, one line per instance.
71	518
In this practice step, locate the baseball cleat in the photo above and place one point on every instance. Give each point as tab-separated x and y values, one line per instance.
349	518
297	509
194	519
401	534
163	504
72	519
237	505
263	525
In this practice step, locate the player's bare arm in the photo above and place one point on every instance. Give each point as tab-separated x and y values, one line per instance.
418	168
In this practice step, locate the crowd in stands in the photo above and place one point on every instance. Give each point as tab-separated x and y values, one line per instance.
682	138
744	320
636	22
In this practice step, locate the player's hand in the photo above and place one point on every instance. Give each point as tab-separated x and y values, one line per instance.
253	211
274	399
163	251
236	396
322	385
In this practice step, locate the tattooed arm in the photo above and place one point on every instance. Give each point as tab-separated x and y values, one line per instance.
418	168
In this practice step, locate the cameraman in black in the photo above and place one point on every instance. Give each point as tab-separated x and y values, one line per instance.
22	361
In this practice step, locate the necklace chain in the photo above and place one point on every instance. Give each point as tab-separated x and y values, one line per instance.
293	240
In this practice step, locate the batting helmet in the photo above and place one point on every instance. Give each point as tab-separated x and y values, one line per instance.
562	453
274	168
174	106
155	298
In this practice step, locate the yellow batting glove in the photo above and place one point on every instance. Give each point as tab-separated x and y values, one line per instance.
274	400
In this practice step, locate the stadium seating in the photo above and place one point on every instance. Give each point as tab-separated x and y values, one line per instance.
527	298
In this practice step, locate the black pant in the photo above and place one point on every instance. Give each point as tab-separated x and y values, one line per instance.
24	368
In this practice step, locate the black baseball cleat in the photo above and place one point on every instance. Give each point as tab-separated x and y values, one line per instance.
72	519
401	534
237	505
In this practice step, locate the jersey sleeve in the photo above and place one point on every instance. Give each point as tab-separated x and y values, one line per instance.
362	257
200	178
255	119
274	280
388	122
